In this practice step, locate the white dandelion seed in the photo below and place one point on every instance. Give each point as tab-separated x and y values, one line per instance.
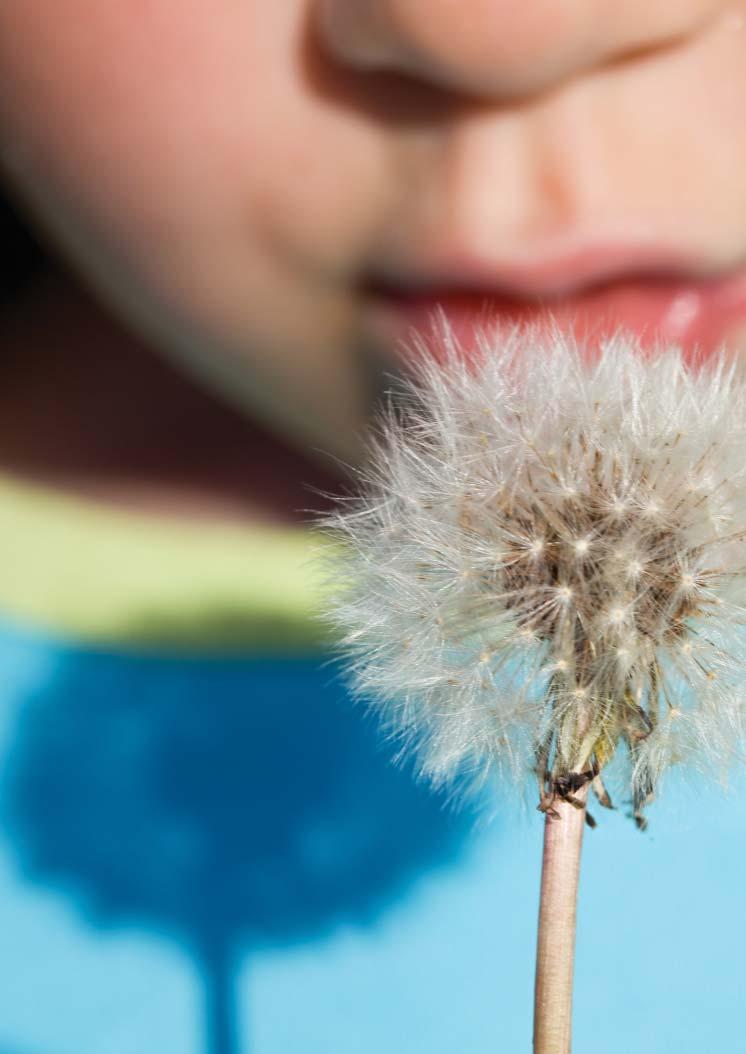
544	569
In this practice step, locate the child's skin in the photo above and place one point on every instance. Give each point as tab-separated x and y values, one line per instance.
230	173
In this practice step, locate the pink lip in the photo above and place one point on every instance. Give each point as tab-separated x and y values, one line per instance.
696	313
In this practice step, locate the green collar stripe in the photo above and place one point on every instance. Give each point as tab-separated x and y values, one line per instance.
96	574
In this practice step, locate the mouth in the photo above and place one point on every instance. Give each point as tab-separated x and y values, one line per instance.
700	315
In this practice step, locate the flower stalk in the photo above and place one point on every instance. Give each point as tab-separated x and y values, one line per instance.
555	946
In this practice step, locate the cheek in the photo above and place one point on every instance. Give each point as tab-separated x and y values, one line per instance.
177	133
177	152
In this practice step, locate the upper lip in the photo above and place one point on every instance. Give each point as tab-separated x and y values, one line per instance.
554	275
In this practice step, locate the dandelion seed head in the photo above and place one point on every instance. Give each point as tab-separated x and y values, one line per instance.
565	586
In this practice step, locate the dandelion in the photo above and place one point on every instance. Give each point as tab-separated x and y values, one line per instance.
543	579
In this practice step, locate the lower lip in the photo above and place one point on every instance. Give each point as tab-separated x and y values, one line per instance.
699	316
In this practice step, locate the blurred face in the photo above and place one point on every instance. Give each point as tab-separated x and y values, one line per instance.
275	192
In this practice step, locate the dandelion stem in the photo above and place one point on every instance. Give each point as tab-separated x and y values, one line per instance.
555	948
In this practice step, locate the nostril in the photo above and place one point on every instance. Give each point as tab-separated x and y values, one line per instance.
352	33
468	48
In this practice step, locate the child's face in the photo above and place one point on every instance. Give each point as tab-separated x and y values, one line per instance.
235	174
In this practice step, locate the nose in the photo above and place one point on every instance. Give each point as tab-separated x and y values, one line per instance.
502	49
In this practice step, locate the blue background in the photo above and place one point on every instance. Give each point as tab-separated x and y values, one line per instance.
218	856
